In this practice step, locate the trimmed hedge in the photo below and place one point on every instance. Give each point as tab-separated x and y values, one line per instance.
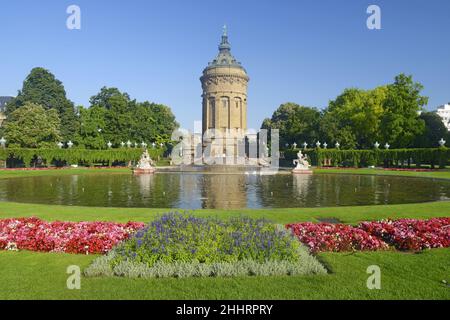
75	156
377	157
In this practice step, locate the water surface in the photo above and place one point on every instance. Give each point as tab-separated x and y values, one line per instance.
222	191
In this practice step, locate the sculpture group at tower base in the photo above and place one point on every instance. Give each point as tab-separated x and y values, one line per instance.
145	165
302	164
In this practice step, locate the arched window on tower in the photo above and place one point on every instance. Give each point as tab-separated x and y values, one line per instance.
212	113
238	111
225	113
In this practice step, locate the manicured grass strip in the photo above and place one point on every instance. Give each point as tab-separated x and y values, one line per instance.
438	174
352	215
26	275
59	172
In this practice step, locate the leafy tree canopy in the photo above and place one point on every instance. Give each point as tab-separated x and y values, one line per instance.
358	118
295	123
42	88
400	123
434	131
32	126
114	117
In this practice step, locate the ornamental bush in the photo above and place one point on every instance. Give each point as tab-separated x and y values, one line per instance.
375	157
181	245
76	156
183	237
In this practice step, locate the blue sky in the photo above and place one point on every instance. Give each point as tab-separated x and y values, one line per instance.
301	51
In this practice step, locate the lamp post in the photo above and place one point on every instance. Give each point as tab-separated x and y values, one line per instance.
325	145
442	142
318	144
60	144
161	144
337	145
3	142
144	145
70	144
295	145
305	145
376	145
129	144
387	146
153	145
135	144
109	144
122	144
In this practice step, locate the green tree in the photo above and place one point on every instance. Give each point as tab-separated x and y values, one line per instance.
434	131
114	117
400	123
103	98
295	123
31	126
354	118
42	88
92	128
333	131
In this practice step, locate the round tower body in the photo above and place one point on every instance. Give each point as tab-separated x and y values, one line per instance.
224	83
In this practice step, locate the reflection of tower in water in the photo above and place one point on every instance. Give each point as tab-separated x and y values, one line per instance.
145	182
225	191
301	183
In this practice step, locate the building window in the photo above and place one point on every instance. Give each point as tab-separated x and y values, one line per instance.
212	113
225	114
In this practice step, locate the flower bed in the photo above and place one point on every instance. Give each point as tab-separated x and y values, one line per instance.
70	237
323	237
179	245
411	234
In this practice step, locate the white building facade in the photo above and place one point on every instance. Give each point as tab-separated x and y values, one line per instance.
444	113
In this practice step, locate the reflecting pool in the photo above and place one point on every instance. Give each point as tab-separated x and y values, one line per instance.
222	191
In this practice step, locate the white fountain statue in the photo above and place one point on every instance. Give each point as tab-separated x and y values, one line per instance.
145	164
302	164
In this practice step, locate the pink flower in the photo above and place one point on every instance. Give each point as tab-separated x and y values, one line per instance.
70	237
411	234
322	237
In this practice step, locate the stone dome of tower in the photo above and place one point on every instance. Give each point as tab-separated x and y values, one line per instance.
224	57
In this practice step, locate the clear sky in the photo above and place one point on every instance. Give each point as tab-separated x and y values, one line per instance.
301	51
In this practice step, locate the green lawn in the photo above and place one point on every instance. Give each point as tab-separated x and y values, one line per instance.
27	275
350	215
439	174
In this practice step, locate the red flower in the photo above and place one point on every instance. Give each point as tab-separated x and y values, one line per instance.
322	237
411	234
71	237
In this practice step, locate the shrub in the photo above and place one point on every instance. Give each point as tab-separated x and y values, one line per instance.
180	245
179	237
